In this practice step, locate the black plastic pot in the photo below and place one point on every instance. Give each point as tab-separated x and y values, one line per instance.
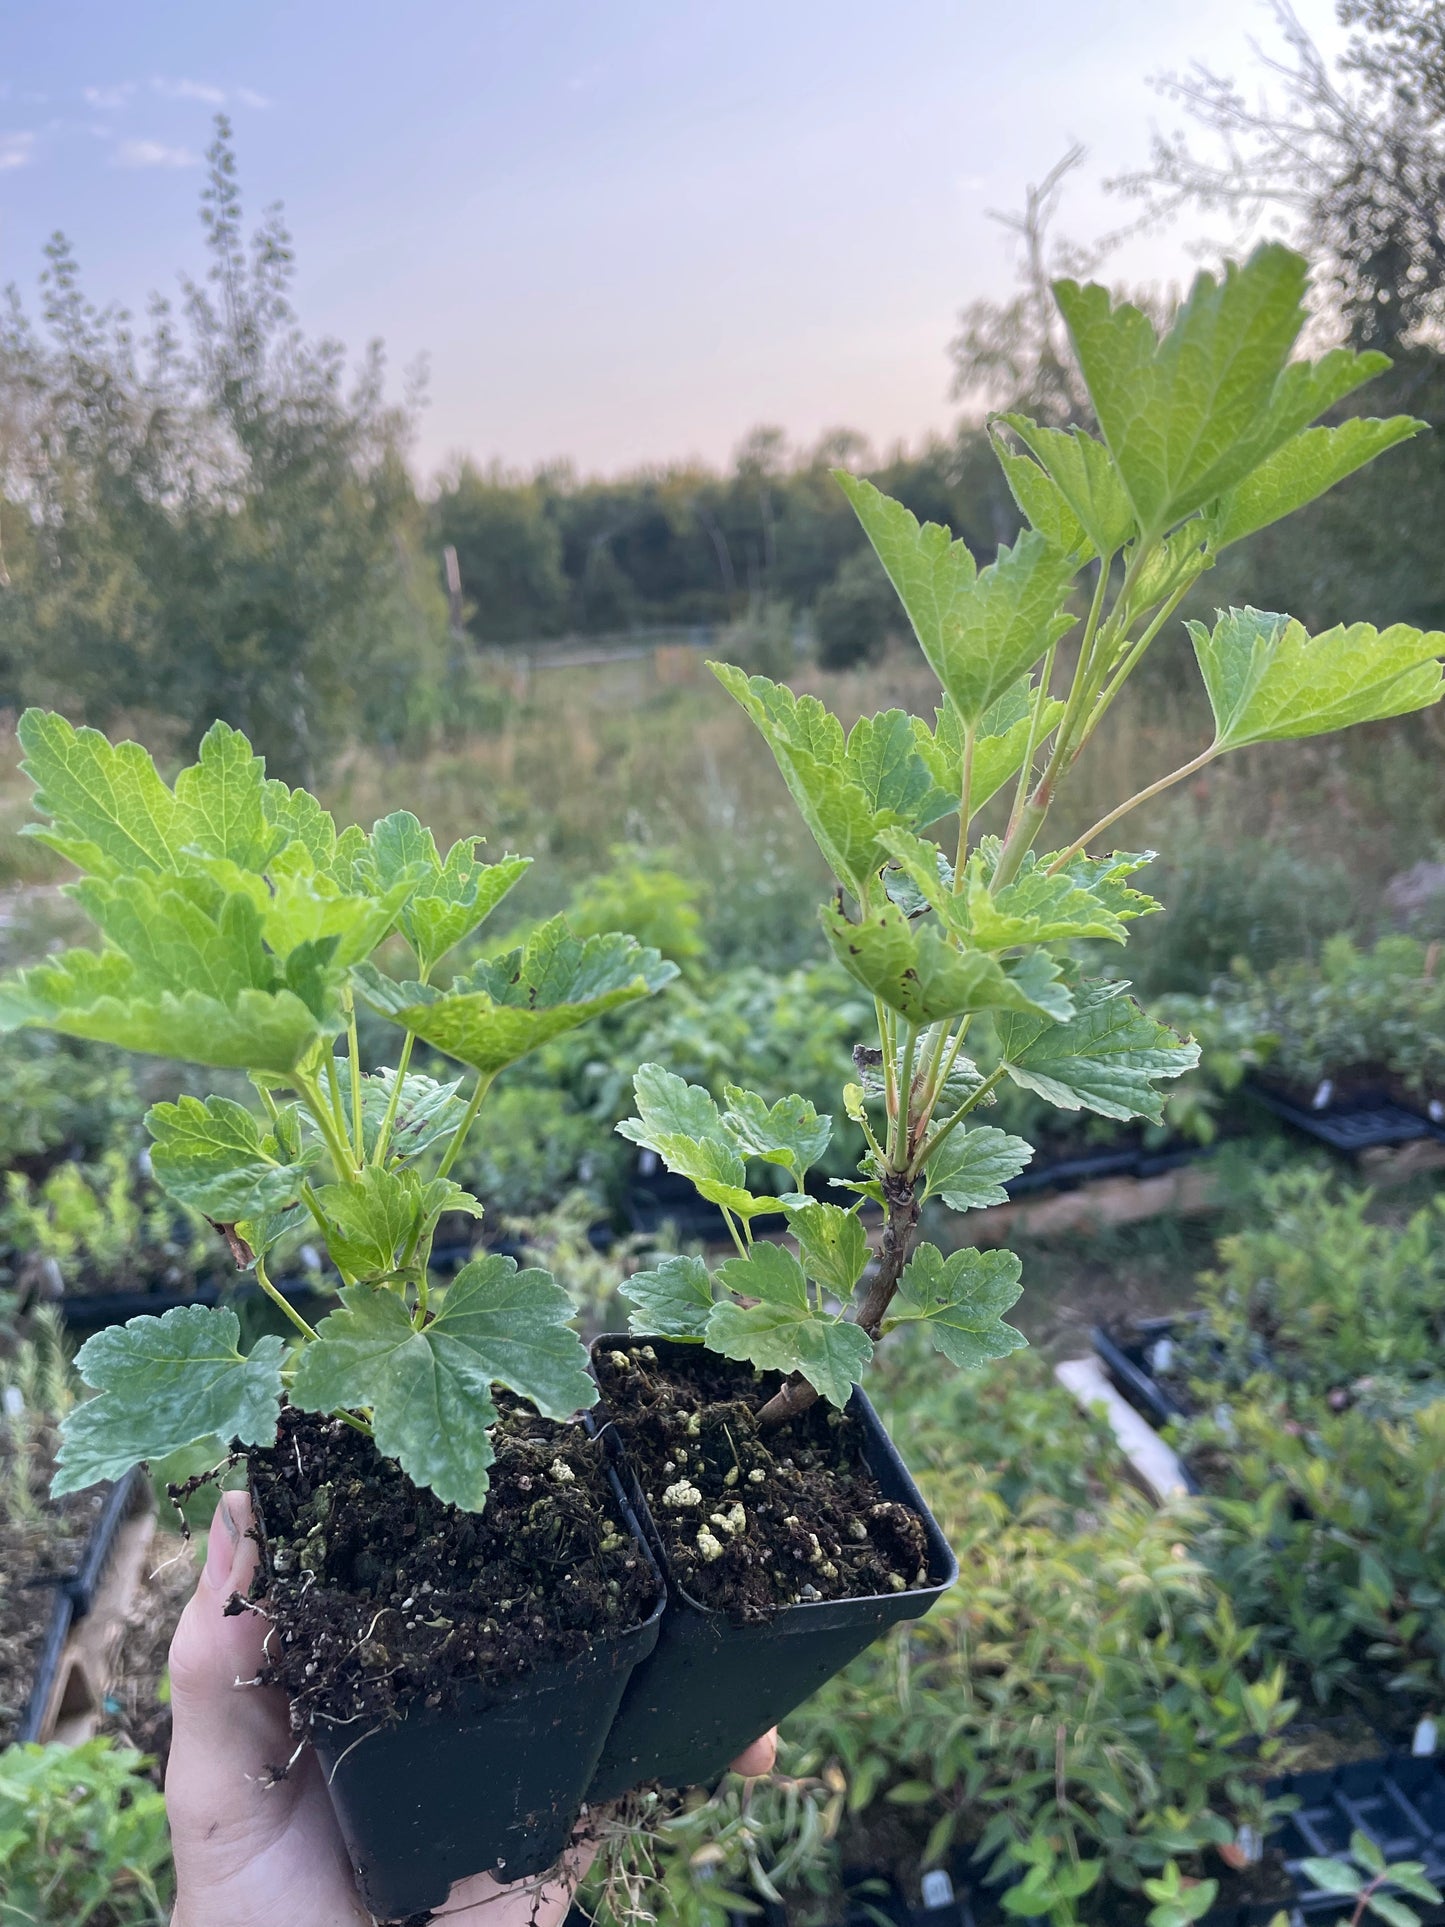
711	1687
492	1783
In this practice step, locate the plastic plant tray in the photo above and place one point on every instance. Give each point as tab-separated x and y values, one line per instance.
1365	1123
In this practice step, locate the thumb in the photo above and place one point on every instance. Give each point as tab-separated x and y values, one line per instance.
229	1736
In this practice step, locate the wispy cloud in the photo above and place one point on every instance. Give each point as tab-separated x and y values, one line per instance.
16	150
248	97
110	97
200	90
153	154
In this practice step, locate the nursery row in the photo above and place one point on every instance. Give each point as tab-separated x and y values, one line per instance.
1123	1701
1350	1050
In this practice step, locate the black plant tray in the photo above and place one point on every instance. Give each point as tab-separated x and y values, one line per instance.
1129	1371
1398	1800
47	1670
1366	1122
711	1688
123	1498
1109	1161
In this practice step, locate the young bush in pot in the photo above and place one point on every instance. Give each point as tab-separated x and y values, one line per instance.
425	1635
965	946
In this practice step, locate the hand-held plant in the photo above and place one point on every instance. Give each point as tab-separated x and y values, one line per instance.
1206	436
238	929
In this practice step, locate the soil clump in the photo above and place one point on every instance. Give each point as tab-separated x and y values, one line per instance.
381	1597
754	1521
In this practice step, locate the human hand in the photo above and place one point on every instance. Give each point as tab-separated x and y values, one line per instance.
249	1853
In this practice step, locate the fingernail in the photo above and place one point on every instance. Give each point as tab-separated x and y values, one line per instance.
222	1546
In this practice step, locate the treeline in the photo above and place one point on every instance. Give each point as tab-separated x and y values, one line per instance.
552	554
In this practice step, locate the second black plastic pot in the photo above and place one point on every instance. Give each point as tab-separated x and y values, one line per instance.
711	1687
491	1783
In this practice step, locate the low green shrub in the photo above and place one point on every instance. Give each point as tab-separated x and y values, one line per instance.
83	1839
1329	1538
1324	1296
63	1097
1089	1692
1354	1011
99	1227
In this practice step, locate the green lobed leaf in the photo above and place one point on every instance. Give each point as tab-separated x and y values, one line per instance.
111	814
781	1331
374	1224
673	1299
981	629
960	1301
1104	1059
832	1245
791	1132
214	1156
1034	908
1084	474
506	1006
1043	504
1307	466
682	1124
999	748
1182	416
104	996
430	1391
1270	681
846	788
426	1112
452	895
220	803
1105	878
970	1168
164	1383
921	976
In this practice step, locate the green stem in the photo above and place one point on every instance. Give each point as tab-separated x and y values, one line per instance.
898	1131
890	1063
1036	731
1116	678
940	1076
280	1299
325	1120
1200	762
333	1084
925	1151
485	1081
965	810
732	1227
358	1133
356	1424
383	1136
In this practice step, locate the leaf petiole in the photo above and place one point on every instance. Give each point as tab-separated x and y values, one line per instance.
1201	761
280	1300
383	1136
970	1103
485	1081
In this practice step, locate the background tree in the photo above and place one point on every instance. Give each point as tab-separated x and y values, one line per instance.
213	522
1349	164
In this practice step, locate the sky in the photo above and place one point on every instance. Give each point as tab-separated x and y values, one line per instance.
617	234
